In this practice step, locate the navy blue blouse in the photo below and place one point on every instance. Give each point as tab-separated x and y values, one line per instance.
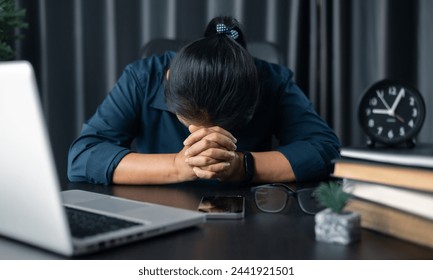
135	110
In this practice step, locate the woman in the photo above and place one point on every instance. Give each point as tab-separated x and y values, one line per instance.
207	112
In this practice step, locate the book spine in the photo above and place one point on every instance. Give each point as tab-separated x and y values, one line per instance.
393	222
399	176
410	201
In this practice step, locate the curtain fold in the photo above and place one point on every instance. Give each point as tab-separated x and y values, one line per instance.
336	48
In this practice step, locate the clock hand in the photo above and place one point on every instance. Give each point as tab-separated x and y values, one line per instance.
383	100
387	112
399	118
397	101
382	112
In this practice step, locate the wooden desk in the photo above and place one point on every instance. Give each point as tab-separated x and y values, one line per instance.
286	235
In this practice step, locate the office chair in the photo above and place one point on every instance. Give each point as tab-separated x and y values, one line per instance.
262	50
266	51
160	45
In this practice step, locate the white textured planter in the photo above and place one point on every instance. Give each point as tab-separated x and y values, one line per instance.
342	228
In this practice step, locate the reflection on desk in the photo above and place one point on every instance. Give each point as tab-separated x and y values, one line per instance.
285	235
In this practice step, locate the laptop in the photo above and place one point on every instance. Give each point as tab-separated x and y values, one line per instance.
33	209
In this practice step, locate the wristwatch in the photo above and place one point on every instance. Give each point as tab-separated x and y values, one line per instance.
248	167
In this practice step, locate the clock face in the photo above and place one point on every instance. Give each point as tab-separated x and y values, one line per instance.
391	112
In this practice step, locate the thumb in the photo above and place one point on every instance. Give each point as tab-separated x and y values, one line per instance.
193	128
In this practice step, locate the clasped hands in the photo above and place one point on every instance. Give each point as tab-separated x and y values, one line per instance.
209	153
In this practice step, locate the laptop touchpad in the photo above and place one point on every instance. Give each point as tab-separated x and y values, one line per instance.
111	205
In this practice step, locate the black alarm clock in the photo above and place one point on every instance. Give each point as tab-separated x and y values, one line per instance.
391	113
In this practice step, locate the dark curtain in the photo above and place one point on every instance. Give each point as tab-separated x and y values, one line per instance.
366	41
337	48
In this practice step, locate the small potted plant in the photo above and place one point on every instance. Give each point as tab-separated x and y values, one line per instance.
11	19
333	224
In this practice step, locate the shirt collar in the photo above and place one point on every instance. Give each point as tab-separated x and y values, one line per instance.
157	97
158	100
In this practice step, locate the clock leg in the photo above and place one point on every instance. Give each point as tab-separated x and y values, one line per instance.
370	143
410	143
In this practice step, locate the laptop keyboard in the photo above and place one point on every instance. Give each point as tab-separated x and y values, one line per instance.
85	224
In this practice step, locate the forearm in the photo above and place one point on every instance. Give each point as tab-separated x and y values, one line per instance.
271	167
142	169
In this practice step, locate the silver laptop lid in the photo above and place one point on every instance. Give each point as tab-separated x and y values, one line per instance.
30	204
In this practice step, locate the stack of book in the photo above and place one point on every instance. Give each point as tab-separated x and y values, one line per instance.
392	189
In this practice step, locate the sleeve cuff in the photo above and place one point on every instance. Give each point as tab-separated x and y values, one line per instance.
97	171
306	162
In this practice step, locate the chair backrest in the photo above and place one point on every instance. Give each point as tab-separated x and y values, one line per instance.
161	45
262	50
266	51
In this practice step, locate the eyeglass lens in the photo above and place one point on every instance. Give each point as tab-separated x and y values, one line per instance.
271	199
308	202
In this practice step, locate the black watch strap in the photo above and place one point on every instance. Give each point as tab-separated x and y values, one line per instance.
248	167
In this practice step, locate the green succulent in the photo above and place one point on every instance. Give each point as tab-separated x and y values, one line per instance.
331	195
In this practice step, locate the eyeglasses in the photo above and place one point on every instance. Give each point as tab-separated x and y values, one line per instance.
273	198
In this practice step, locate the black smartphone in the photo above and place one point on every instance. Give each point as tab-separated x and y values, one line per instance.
222	207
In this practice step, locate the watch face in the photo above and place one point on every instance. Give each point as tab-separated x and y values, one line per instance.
391	112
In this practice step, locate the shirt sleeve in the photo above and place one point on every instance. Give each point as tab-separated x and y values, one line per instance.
106	137
306	140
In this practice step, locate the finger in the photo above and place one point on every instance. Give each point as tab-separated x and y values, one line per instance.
201	161
215	171
219	154
203	174
192	128
202	146
197	133
213	140
211	157
210	143
222	131
222	140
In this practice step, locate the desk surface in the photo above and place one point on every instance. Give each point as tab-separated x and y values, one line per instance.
286	235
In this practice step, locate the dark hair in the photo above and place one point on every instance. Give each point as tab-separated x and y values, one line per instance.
214	80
